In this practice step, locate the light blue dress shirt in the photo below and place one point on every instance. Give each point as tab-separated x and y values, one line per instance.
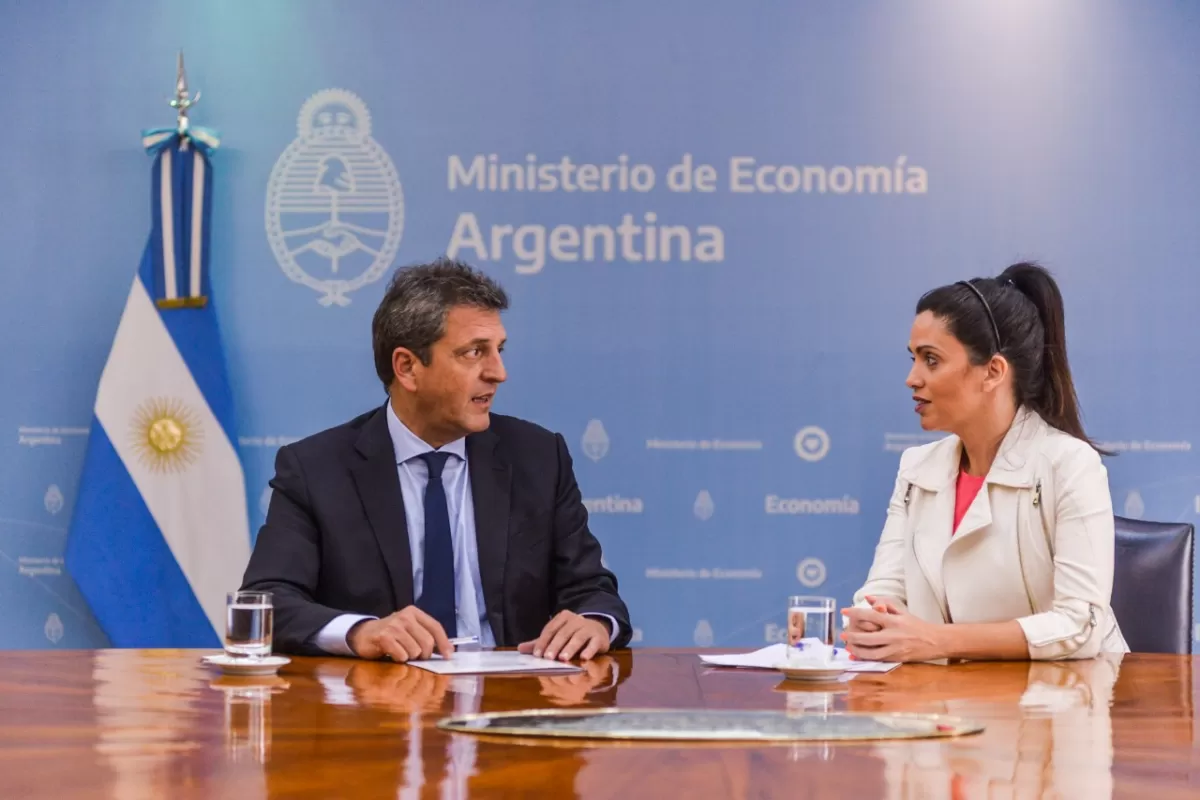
468	588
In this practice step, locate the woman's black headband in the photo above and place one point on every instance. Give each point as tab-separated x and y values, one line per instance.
988	309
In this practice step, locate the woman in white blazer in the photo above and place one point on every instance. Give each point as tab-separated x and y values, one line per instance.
999	537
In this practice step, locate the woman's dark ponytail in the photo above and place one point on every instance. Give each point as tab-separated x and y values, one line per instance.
1053	396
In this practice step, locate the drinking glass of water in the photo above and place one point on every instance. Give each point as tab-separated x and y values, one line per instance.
249	624
809	617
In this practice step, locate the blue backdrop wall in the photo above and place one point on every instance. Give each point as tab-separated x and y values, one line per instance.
714	221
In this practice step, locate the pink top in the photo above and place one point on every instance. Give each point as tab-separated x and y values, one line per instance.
964	494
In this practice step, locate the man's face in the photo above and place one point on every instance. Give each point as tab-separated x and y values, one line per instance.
454	391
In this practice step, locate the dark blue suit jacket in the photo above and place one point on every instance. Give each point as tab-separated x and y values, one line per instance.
336	541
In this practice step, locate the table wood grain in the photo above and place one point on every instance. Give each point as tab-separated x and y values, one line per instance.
160	724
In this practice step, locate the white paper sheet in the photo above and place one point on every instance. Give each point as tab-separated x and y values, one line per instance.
482	662
774	655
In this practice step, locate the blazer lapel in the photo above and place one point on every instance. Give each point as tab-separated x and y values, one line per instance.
491	485
931	537
934	518
1010	468
978	516
378	483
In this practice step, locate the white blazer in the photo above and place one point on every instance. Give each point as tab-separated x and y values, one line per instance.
1035	546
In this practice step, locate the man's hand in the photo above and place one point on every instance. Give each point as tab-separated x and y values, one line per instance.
567	635
410	633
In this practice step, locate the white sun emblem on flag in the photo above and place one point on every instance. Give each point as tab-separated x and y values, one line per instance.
166	434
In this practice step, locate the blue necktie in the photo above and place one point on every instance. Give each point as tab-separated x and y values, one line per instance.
437	584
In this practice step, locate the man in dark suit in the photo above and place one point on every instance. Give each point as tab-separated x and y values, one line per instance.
432	517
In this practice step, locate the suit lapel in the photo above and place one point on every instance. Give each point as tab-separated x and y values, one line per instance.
491	483
378	483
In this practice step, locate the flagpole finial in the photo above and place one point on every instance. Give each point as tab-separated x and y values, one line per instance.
182	100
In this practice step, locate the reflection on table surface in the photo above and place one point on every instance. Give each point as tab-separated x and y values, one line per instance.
144	723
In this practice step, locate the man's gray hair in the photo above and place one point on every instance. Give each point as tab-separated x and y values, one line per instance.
414	308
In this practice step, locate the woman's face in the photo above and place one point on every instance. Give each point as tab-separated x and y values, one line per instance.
948	390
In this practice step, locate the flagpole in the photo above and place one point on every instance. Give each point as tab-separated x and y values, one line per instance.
182	101
186	135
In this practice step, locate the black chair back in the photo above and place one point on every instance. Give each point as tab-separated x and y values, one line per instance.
1152	585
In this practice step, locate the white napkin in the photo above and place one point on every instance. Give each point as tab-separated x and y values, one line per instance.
813	653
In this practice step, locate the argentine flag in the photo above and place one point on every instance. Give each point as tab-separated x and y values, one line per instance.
160	531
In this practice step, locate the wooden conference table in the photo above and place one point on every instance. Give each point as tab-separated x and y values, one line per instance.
159	724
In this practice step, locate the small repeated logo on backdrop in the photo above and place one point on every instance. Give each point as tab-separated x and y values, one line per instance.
595	440
811	572
166	434
703	634
636	636
603	561
1135	507
53	629
335	209
703	508
811	443
264	500
53	499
